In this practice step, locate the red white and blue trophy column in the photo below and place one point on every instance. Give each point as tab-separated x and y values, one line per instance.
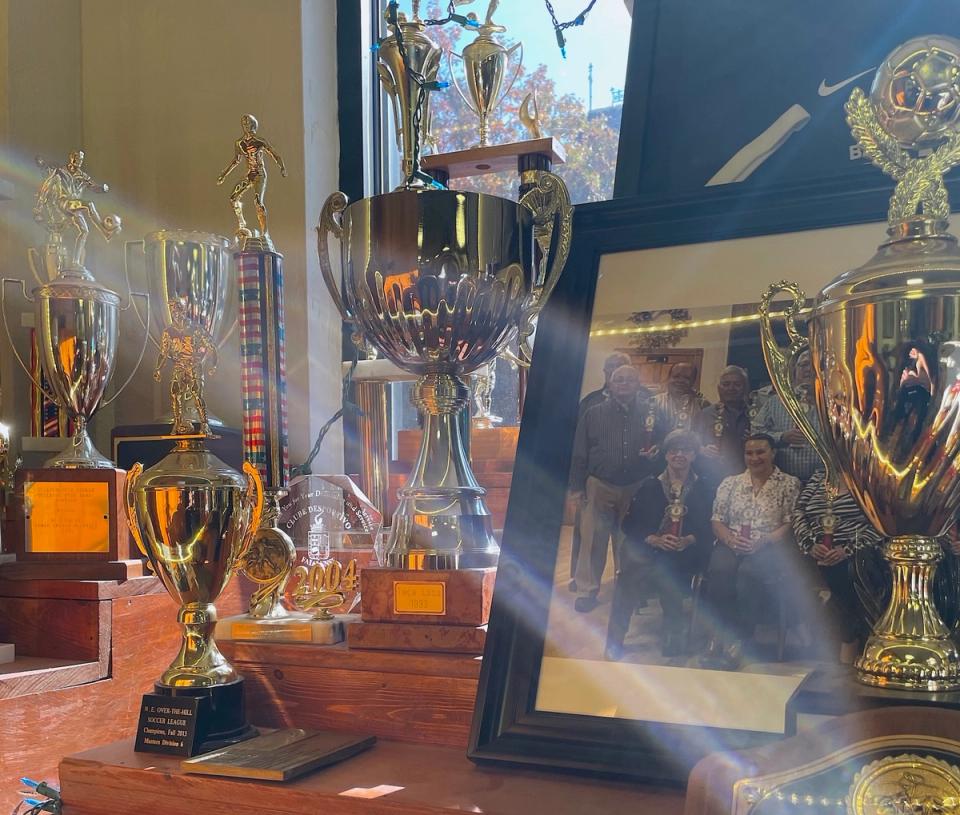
264	388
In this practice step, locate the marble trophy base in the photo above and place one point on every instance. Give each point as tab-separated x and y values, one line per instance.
8	652
221	716
297	627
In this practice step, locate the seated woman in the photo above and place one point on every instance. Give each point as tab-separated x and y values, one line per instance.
831	536
667	537
751	521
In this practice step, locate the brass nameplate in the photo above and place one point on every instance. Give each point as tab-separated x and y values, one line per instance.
287	632
67	516
419	597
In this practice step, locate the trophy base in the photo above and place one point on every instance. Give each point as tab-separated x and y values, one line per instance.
928	664
296	627
148	443
424	541
70	523
82	456
446	597
221	717
834	690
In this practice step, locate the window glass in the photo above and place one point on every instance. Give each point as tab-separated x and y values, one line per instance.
579	98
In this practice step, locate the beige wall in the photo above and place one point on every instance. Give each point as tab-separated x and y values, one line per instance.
153	91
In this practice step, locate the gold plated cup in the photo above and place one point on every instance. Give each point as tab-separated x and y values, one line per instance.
192	517
440	282
885	345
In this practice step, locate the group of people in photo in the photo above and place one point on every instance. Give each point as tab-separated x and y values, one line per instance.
719	504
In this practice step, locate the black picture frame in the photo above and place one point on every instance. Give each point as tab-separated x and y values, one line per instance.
707	77
507	728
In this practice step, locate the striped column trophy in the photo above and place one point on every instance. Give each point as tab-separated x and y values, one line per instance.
271	555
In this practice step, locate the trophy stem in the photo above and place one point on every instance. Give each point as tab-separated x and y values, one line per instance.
81	454
442	521
199	663
484	128
910	647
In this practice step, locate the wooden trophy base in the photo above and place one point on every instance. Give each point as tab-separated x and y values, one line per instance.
439	611
70	525
297	627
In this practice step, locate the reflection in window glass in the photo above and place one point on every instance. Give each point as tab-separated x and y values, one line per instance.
579	98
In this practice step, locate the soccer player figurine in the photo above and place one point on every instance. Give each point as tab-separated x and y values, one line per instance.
251	147
186	345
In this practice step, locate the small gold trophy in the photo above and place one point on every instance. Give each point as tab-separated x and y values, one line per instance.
192	517
485	64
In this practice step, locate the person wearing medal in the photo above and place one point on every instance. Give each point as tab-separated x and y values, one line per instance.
830	532
723	426
676	408
667	536
795	455
751	521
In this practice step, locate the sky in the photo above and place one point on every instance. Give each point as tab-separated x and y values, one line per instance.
603	40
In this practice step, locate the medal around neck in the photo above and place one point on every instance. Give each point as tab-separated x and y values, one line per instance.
885	346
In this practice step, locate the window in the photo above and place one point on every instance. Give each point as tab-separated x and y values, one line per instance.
579	98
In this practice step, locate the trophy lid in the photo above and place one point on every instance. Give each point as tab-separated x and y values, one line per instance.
76	288
187	236
190	464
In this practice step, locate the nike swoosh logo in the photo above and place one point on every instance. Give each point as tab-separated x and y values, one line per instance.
826	90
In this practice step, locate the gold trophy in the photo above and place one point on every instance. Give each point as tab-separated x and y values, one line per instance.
76	317
885	343
485	64
441	281
423	56
192	517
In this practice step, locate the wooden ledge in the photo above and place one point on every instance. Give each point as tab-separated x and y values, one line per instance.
81	589
495	158
431	780
27	675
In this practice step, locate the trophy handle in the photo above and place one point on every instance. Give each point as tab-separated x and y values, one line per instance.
781	363
143	345
254	499
6	328
456	82
516	71
133	475
331	221
127	247
391	88
549	201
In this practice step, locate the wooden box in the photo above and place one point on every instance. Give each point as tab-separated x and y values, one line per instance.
450	597
70	524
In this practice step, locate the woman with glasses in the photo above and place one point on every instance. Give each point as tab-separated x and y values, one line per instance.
667	536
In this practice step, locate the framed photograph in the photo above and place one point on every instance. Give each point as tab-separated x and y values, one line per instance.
667	286
722	93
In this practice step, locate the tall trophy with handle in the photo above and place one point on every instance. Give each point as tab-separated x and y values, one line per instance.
71	508
885	342
440	282
192	517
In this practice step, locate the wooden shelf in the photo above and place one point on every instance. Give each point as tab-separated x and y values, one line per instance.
408	696
431	780
496	158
